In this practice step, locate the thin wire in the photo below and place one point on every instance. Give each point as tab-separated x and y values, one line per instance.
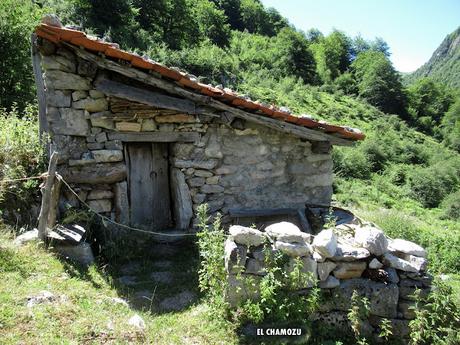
23	179
116	223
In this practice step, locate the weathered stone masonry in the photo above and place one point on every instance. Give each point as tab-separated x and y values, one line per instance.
242	165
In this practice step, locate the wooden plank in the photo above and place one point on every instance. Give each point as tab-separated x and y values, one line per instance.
46	198
148	186
135	94
161	195
36	60
55	193
155	137
172	88
121	203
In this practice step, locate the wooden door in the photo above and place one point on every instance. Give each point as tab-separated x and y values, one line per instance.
148	185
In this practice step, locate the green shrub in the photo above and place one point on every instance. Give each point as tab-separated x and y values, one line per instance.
212	275
437	319
21	155
17	20
430	185
451	206
352	163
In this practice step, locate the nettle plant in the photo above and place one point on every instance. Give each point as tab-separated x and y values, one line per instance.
212	275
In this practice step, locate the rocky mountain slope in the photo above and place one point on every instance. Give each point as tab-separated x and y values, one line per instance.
444	64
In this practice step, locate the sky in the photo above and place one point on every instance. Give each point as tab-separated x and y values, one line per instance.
412	28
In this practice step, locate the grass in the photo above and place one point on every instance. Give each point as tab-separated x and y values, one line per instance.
84	313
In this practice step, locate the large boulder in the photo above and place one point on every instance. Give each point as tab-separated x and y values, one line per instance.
325	243
406	247
287	232
308	267
373	239
246	236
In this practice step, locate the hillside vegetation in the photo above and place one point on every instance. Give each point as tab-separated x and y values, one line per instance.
444	64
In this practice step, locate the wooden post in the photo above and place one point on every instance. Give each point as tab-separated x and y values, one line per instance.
36	59
46	198
55	193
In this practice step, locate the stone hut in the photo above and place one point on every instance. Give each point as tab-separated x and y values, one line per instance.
146	144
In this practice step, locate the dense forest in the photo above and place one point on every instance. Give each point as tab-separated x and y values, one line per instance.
405	176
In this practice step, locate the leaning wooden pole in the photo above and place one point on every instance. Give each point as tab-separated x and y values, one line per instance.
46	197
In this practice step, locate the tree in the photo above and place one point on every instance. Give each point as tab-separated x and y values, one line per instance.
212	22
170	21
113	18
292	56
232	10
17	21
428	101
332	55
451	126
378	82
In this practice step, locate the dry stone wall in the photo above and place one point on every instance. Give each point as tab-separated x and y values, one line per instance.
228	166
350	257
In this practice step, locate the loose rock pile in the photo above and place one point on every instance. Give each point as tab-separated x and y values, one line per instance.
342	259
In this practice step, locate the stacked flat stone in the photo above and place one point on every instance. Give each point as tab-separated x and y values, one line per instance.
342	259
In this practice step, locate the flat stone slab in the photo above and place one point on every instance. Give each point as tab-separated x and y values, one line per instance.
178	302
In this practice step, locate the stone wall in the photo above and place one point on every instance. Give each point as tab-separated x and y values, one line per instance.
237	165
339	261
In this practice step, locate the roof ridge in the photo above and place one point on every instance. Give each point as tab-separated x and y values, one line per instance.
52	30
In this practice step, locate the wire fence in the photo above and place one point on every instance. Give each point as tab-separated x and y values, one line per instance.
104	219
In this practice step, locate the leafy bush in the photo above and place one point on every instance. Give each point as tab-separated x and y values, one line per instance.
17	20
352	163
430	185
451	206
212	275
21	155
437	320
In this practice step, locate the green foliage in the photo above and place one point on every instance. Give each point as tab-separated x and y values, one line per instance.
212	275
444	64
278	303
451	206
378	82
450	126
357	314
332	55
437	320
212	22
17	21
21	155
428	101
431	184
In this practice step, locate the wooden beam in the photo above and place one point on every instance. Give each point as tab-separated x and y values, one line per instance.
46	198
36	59
135	94
155	137
172	88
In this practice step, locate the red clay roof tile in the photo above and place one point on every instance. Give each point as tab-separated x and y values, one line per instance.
79	38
